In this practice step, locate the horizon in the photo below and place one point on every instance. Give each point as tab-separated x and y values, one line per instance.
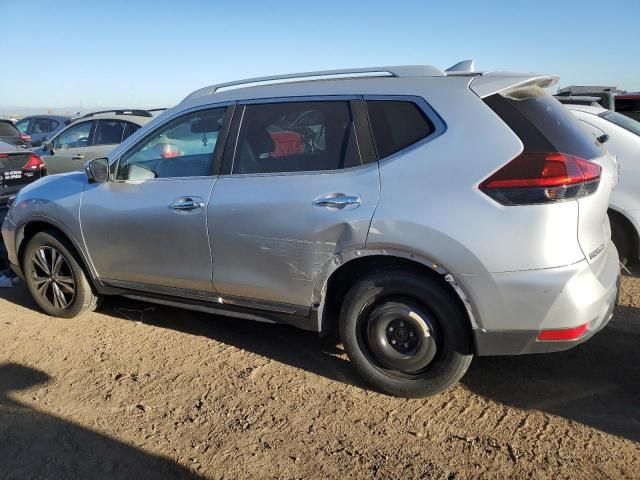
147	55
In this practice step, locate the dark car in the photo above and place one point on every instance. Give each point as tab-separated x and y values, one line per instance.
10	134
629	104
42	127
18	167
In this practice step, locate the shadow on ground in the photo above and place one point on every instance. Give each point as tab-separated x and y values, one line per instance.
38	445
595	383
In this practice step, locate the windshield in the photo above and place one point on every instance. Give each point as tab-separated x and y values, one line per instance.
622	121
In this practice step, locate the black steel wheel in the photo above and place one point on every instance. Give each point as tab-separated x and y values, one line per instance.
405	333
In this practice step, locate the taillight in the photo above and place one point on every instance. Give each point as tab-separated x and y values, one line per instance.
562	334
34	163
25	138
534	178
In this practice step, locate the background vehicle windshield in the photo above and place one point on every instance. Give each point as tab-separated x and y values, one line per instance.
622	121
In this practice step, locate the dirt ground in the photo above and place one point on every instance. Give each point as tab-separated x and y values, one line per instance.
142	391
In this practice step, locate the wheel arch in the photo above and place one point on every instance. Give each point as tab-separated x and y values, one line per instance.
42	224
630	228
340	273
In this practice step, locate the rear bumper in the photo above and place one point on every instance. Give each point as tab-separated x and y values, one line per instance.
578	296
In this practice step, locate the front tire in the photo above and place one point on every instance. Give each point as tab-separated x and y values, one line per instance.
55	278
405	334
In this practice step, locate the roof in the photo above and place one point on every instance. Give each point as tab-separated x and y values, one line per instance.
483	83
586	108
55	117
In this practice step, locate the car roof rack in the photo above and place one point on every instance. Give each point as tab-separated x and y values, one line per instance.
393	71
136	113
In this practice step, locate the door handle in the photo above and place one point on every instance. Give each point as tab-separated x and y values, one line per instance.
187	204
338	201
77	156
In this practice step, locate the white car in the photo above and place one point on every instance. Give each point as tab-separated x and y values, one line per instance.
624	143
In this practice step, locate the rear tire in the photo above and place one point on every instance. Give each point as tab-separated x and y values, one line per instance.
405	334
55	277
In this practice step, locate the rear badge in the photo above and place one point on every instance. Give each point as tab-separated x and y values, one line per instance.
596	252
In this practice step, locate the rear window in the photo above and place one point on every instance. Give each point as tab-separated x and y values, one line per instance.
623	121
397	125
542	123
8	130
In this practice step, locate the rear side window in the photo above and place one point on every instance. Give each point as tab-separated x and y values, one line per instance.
397	125
542	123
23	125
296	137
42	125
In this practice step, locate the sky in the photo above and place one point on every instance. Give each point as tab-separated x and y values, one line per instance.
145	54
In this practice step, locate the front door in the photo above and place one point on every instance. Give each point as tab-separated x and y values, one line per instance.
70	148
298	193
146	228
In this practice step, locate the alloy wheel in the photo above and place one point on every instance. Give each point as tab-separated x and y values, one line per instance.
53	278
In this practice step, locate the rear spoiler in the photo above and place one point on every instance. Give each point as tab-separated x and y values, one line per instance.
493	82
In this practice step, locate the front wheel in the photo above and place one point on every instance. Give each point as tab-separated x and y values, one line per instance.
55	278
405	334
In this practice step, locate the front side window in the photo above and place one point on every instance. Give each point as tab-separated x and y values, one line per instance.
23	125
396	125
76	136
296	137
109	132
182	148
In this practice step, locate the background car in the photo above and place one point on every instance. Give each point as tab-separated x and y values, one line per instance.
42	127
628	104
91	136
623	142
10	134
18	167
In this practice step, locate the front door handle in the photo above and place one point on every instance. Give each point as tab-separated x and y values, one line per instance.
337	201
187	204
77	156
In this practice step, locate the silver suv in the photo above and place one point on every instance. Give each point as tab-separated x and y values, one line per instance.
428	216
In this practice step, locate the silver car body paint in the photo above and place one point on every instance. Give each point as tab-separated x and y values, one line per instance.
260	237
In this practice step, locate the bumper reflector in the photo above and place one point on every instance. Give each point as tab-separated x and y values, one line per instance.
562	334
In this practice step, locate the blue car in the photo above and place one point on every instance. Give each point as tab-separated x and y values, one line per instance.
42	127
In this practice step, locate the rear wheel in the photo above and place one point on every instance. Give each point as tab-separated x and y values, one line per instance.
405	334
55	278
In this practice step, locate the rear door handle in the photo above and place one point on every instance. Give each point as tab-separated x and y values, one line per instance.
187	204
337	201
77	156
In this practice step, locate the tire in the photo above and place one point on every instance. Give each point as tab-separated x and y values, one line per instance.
55	278
623	240
432	347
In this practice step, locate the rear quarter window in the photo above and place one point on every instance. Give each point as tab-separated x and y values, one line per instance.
543	123
396	125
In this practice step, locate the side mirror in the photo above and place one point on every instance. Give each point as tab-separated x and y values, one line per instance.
47	146
97	170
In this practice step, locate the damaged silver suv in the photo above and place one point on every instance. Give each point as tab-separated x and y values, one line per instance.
427	216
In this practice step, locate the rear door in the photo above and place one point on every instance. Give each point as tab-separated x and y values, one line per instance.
299	185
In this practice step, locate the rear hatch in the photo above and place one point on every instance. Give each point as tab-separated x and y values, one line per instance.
16	171
546	127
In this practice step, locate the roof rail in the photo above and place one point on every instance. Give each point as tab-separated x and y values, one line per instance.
397	71
137	113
